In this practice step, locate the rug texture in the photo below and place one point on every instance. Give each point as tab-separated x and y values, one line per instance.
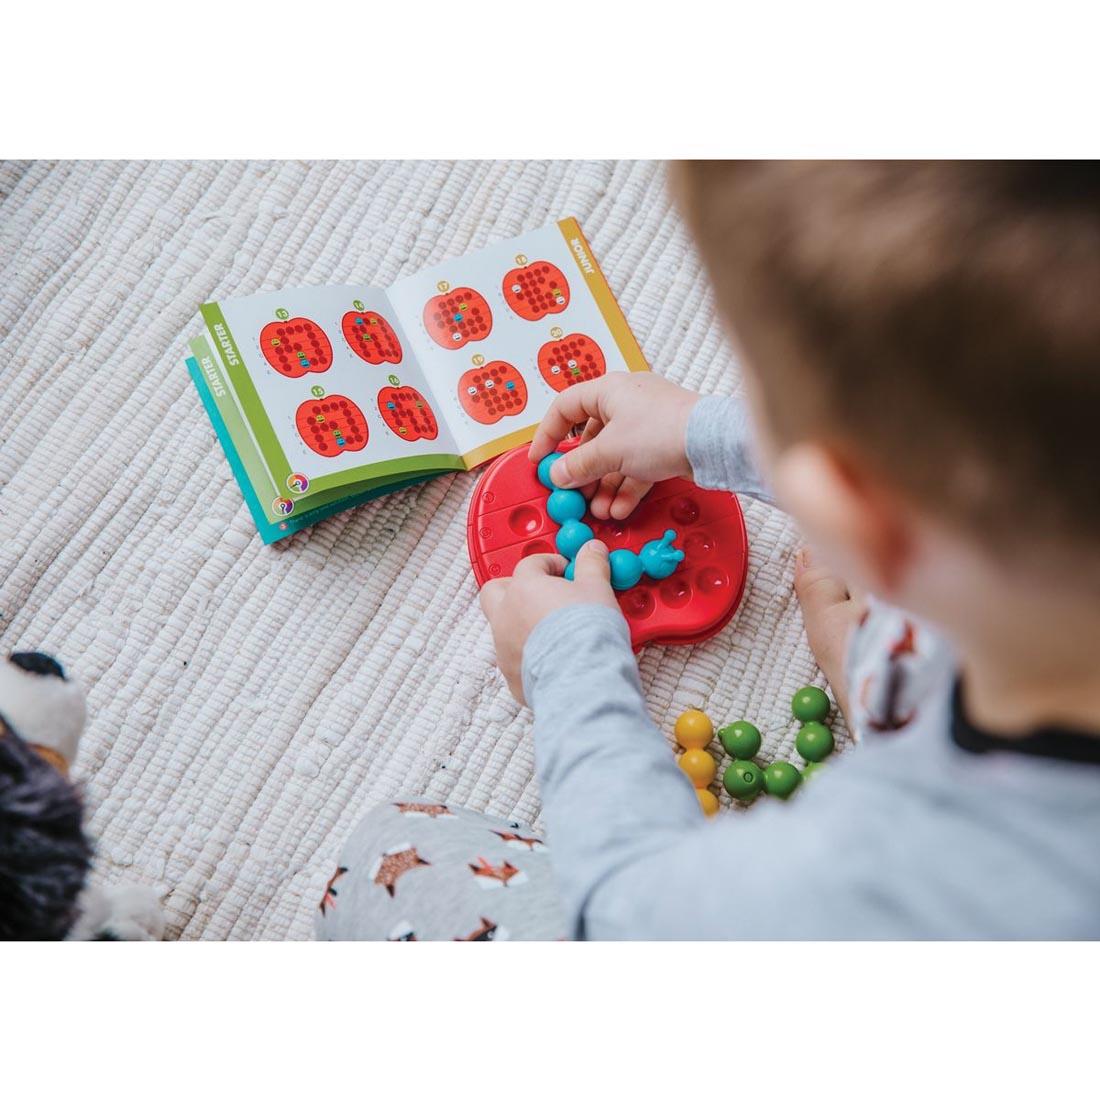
247	703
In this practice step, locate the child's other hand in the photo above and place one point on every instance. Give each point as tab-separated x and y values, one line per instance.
831	611
515	605
634	435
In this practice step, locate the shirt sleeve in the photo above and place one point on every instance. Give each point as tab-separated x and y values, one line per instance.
720	448
611	789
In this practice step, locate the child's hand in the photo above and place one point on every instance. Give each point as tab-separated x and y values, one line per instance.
831	611
635	429
515	605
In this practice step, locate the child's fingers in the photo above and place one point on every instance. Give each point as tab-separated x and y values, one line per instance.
588	462
575	406
491	595
628	497
540	565
605	489
591	490
591	429
817	587
593	565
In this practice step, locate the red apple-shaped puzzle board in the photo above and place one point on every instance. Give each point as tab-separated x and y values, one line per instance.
508	522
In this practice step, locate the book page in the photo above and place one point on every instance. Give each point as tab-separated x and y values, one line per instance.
501	332
329	390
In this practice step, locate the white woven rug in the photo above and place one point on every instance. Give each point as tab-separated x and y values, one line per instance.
247	704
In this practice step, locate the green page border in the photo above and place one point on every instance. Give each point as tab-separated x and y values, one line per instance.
321	507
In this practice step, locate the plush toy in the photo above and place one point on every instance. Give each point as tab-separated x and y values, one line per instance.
44	855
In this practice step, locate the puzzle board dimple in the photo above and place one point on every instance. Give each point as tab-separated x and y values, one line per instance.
457	317
332	425
406	413
493	391
572	359
536	290
371	337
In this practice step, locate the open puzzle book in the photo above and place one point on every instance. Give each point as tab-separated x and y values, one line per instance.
324	397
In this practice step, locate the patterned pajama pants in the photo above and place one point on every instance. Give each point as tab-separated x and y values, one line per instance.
416	870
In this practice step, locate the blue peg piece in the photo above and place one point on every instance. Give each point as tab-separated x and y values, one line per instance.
626	569
659	558
569	570
544	469
571	537
565	504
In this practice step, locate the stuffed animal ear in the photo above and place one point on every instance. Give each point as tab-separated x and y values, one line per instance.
41	704
41	664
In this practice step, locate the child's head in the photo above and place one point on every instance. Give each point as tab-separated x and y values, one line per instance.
922	343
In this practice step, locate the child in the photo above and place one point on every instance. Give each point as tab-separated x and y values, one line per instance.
921	345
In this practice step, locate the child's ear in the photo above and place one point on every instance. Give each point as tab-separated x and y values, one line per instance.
860	528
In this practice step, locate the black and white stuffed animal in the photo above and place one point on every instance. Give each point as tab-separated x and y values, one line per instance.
44	855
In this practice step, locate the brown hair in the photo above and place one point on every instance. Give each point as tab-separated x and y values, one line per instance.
940	320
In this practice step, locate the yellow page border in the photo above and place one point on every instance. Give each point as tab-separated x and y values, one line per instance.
594	279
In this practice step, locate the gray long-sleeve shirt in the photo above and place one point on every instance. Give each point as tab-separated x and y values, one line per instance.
911	836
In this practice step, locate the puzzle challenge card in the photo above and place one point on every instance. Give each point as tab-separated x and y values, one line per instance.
324	397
